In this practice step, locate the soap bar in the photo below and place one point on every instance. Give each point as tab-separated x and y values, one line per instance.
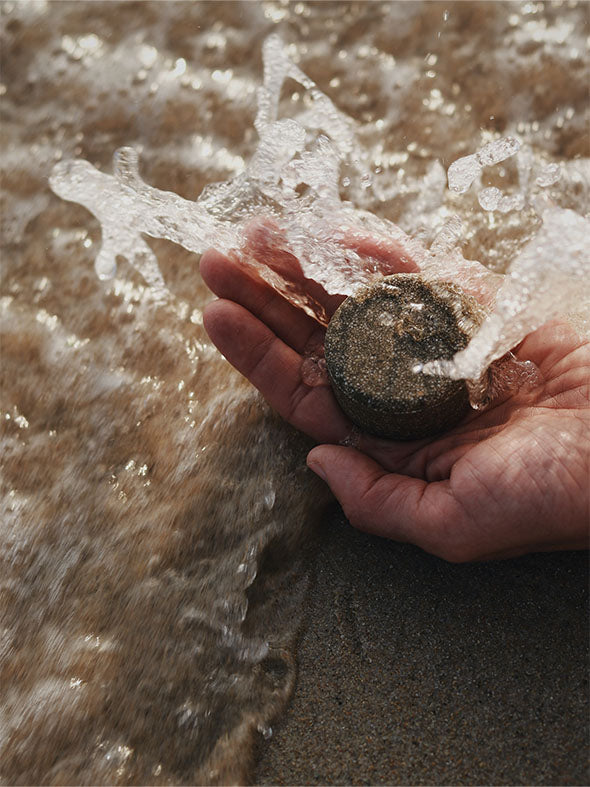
376	343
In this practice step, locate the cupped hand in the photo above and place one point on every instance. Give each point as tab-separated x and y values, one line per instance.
511	479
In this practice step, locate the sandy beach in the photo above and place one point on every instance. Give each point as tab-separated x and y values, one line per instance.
417	671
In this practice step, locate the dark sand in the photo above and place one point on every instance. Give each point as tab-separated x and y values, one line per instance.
416	671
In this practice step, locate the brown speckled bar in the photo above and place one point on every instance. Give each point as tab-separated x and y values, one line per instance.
378	337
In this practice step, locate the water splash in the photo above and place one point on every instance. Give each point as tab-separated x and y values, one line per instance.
294	178
447	237
465	170
492	199
549	175
531	293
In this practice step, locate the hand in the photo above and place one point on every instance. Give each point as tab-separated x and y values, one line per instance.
509	480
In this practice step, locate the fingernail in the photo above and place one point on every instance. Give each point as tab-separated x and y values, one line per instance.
317	469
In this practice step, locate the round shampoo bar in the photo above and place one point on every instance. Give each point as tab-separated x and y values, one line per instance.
380	335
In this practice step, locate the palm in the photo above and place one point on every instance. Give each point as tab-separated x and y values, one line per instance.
508	480
518	472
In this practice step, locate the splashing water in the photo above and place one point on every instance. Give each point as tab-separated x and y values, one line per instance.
293	177
493	199
549	175
315	224
527	296
465	170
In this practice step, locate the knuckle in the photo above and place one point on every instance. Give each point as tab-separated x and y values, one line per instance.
297	401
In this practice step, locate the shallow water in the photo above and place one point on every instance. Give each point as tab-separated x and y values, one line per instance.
151	550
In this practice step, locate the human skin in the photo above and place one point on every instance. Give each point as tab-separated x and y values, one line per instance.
508	480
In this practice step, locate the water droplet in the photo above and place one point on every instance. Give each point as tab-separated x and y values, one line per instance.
265	731
489	198
314	372
548	175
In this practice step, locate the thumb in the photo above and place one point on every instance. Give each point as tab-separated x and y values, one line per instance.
392	505
374	500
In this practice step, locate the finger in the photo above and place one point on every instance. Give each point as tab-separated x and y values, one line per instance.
390	254
266	242
232	281
392	505
561	355
275	369
373	500
393	254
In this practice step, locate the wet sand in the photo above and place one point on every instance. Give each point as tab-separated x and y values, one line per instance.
417	671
